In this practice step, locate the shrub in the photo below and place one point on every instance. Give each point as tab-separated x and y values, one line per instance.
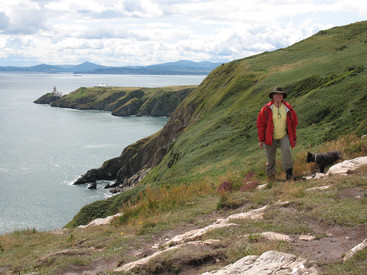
225	186
248	186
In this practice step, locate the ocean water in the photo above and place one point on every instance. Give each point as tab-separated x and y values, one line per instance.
43	150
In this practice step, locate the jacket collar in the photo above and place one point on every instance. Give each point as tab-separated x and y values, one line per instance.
287	107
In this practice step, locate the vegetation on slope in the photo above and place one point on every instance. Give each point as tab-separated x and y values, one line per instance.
326	80
327	88
336	217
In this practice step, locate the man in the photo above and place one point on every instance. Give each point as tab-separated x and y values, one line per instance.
276	124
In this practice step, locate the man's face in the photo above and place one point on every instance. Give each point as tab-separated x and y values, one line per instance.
278	97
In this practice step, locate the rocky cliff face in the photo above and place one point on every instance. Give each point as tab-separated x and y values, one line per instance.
47	98
137	159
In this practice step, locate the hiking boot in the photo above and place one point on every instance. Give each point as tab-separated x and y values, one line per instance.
289	174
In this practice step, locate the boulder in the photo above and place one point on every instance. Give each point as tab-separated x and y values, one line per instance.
93	185
100	221
342	169
347	166
270	262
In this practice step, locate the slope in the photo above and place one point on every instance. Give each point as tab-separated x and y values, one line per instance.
213	131
325	79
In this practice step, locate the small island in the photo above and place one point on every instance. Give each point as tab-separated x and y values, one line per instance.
121	101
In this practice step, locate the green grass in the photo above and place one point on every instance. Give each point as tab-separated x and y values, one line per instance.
356	265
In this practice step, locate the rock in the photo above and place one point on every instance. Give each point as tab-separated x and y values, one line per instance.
47	98
306	237
130	108
315	176
273	236
111	185
270	262
163	103
195	234
141	262
262	186
100	221
347	166
355	249
342	168
93	186
255	214
131	166
319	188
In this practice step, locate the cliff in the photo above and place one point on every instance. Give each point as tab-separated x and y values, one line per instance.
47	98
121	101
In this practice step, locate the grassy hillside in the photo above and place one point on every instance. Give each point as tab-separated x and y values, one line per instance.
202	175
335	217
326	81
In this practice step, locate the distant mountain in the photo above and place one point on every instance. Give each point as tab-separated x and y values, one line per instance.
87	67
170	68
183	67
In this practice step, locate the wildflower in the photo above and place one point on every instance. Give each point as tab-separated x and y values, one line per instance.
248	177
225	186
248	186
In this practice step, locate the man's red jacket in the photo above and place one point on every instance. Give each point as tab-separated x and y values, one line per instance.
265	125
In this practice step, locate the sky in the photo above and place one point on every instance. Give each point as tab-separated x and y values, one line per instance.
145	32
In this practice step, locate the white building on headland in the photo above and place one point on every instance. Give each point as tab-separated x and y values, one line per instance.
56	92
103	85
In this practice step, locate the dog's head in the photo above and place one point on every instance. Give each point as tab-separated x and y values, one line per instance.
310	157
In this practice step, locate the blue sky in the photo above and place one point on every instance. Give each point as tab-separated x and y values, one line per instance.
144	32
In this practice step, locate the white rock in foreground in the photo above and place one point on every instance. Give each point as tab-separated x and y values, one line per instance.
270	262
254	214
347	166
141	262
355	249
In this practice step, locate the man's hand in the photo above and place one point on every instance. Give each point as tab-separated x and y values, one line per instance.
261	144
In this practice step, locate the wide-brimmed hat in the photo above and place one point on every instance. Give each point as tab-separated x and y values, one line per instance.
278	90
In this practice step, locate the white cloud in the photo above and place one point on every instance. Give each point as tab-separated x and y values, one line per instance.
21	17
139	8
4	21
141	32
72	6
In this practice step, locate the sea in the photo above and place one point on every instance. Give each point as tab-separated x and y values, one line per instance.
43	149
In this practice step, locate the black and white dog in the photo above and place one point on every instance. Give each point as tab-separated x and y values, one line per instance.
323	159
